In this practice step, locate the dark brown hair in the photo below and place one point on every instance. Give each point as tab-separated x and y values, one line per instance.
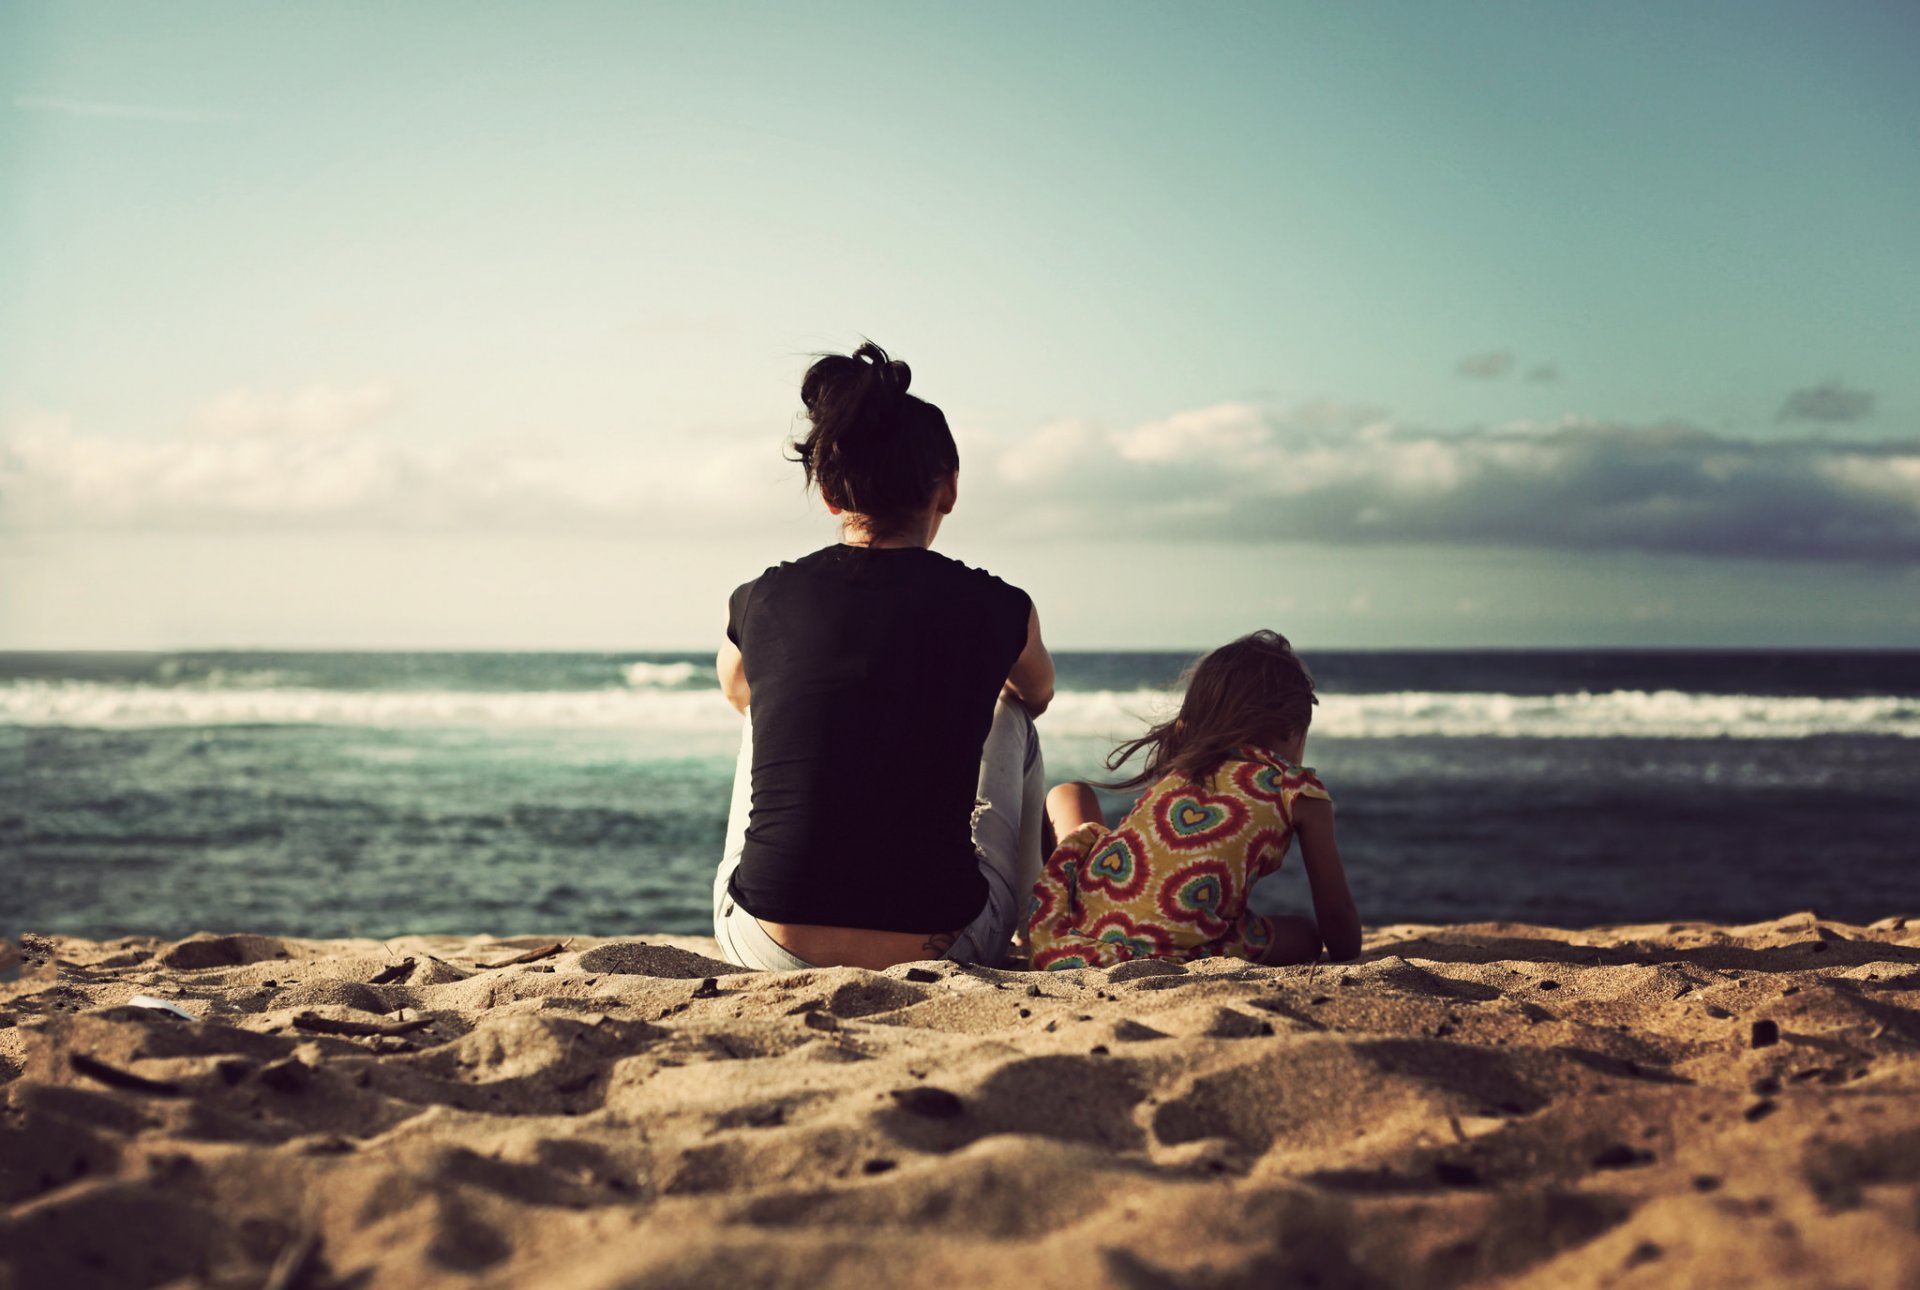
874	449
1252	692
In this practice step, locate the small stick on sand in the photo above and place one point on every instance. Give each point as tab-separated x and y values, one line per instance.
530	956
295	1261
359	1029
391	973
114	1077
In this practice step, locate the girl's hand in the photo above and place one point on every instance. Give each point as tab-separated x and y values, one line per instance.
1333	907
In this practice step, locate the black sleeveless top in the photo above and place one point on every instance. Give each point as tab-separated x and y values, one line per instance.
873	675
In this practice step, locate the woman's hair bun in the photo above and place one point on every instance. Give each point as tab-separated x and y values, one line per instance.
847	381
890	374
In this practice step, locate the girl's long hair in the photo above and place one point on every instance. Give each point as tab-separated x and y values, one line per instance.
1254	691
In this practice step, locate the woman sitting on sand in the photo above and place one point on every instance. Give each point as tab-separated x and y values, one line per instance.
1228	795
887	799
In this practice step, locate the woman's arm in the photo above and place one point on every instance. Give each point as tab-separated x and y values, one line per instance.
1333	908
732	671
1030	680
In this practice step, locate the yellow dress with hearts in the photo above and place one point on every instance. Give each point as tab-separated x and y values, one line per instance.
1171	879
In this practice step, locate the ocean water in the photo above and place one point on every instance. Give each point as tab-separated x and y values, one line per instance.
334	794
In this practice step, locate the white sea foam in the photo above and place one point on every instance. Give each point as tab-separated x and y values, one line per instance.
652	704
663	676
1633	714
79	703
222	678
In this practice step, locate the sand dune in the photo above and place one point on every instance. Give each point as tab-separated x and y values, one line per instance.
1496	1104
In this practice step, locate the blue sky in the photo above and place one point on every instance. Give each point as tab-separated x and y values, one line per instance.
481	325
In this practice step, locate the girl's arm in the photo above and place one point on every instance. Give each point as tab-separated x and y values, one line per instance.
1333	907
1031	678
732	671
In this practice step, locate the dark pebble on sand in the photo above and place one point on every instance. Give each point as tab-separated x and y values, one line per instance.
707	989
877	1166
1033	992
1098	1050
1761	1110
1706	1182
924	976
1549	985
1622	1156
1766	1033
1645	1252
288	1075
932	1103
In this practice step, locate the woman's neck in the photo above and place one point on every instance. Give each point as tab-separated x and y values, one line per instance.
919	530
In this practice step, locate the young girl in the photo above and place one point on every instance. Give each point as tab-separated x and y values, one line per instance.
1227	797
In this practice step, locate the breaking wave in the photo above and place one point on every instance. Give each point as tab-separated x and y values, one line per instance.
668	697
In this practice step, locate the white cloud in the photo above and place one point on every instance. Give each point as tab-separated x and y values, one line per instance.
1238	473
1050	451
329	457
1224	429
338	457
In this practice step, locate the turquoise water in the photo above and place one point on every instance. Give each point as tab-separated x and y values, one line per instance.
377	794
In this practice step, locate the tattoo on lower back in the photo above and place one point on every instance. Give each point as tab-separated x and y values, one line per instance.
939	943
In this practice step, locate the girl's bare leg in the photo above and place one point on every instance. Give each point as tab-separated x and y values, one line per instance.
1295	940
1070	805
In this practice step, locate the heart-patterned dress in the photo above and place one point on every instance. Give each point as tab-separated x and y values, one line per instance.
1171	879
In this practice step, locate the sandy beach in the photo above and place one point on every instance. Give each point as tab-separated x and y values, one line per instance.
1489	1104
